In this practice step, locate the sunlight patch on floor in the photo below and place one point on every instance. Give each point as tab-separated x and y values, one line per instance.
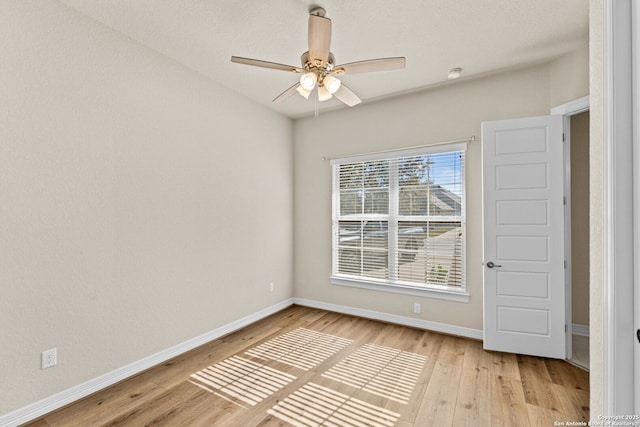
242	379
379	370
314	405
301	348
374	369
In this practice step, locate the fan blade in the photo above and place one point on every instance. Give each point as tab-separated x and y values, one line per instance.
287	93
347	96
319	38
266	64
382	64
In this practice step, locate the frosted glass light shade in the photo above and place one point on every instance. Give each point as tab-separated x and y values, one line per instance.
323	93
302	91
308	81
332	84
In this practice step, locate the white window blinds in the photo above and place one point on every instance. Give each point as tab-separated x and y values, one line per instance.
398	219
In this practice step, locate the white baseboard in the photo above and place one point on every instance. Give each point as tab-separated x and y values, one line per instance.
582	330
58	400
392	318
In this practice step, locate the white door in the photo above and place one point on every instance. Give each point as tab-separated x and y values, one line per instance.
523	219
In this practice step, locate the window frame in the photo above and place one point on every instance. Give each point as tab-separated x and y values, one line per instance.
445	292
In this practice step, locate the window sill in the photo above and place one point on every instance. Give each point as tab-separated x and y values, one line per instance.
444	293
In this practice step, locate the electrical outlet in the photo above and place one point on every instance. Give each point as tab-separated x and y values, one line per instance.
417	308
49	358
270	286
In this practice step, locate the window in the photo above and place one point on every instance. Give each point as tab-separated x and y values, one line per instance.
399	222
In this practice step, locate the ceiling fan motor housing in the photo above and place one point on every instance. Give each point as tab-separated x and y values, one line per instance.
308	65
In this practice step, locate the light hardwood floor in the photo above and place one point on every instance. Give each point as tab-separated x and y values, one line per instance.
306	367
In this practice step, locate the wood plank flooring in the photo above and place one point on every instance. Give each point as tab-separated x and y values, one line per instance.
308	367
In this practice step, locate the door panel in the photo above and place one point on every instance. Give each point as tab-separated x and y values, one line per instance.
521	177
522	212
523	220
523	285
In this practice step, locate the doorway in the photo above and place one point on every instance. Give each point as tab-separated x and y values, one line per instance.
576	128
579	247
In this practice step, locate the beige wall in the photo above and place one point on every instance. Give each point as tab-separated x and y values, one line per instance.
141	205
580	218
569	76
449	112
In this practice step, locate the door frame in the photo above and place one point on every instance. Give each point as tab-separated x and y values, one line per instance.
635	81
567	110
618	337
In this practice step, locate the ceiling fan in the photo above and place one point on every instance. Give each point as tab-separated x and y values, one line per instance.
318	70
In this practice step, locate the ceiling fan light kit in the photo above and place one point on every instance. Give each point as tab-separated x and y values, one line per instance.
318	67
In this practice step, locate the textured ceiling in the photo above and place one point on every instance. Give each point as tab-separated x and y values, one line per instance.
481	36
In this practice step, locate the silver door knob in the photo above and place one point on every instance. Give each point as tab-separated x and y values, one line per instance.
490	264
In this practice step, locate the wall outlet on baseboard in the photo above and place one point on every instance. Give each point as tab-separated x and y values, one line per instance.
417	308
270	286
49	358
